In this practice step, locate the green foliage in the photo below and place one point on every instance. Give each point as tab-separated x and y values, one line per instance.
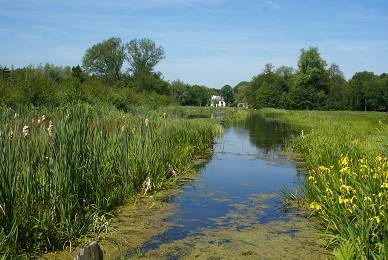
240	92
179	90
105	59
347	185
143	55
227	94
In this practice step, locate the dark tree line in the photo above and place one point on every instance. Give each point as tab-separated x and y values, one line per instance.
314	86
103	78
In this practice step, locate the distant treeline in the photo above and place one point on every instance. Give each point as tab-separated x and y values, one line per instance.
102	79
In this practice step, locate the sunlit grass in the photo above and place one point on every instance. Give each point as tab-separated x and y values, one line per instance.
63	172
347	186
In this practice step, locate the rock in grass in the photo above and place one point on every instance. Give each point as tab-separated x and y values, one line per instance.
91	251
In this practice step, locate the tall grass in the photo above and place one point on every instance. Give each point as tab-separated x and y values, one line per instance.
61	172
347	187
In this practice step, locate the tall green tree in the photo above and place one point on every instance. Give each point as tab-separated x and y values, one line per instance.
5	72
198	95
227	94
265	89
366	92
143	55
310	86
337	96
105	59
180	91
240	92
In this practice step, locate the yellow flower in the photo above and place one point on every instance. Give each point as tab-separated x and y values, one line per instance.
384	185
377	218
344	161
380	194
345	170
328	190
311	178
323	168
348	189
340	200
315	206
379	158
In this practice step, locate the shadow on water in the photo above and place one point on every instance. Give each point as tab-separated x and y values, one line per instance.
239	186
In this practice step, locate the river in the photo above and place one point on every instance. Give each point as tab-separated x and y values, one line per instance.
234	209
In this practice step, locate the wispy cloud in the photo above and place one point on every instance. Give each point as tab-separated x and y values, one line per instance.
271	5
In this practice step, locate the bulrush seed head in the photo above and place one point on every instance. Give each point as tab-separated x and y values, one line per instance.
25	130
50	129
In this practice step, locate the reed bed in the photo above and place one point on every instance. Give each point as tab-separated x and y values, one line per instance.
62	173
347	186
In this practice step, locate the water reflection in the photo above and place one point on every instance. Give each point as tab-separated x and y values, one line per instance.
267	135
240	184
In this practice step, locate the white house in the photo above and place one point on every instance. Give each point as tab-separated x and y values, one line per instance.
217	101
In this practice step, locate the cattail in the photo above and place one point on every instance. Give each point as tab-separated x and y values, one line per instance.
16	115
10	134
25	130
147	185
50	129
146	122
43	118
122	128
164	115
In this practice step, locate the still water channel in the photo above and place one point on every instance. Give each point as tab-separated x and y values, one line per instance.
237	194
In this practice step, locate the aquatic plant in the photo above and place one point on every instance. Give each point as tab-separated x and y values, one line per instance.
347	156
351	198
63	173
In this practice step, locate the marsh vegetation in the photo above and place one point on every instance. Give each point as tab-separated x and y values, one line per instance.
63	171
347	185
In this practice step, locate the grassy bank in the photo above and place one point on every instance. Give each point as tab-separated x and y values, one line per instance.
62	172
347	187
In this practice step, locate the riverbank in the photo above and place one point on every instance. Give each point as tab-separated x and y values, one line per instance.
63	172
348	180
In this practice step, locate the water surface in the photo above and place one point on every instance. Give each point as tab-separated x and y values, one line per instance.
244	165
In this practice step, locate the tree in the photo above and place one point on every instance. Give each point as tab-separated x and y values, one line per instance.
366	92
268	68
310	85
240	92
143	55
77	72
4	72
265	89
312	67
198	95
179	90
105	59
336	99
227	94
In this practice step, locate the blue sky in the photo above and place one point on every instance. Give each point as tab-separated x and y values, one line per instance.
207	42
